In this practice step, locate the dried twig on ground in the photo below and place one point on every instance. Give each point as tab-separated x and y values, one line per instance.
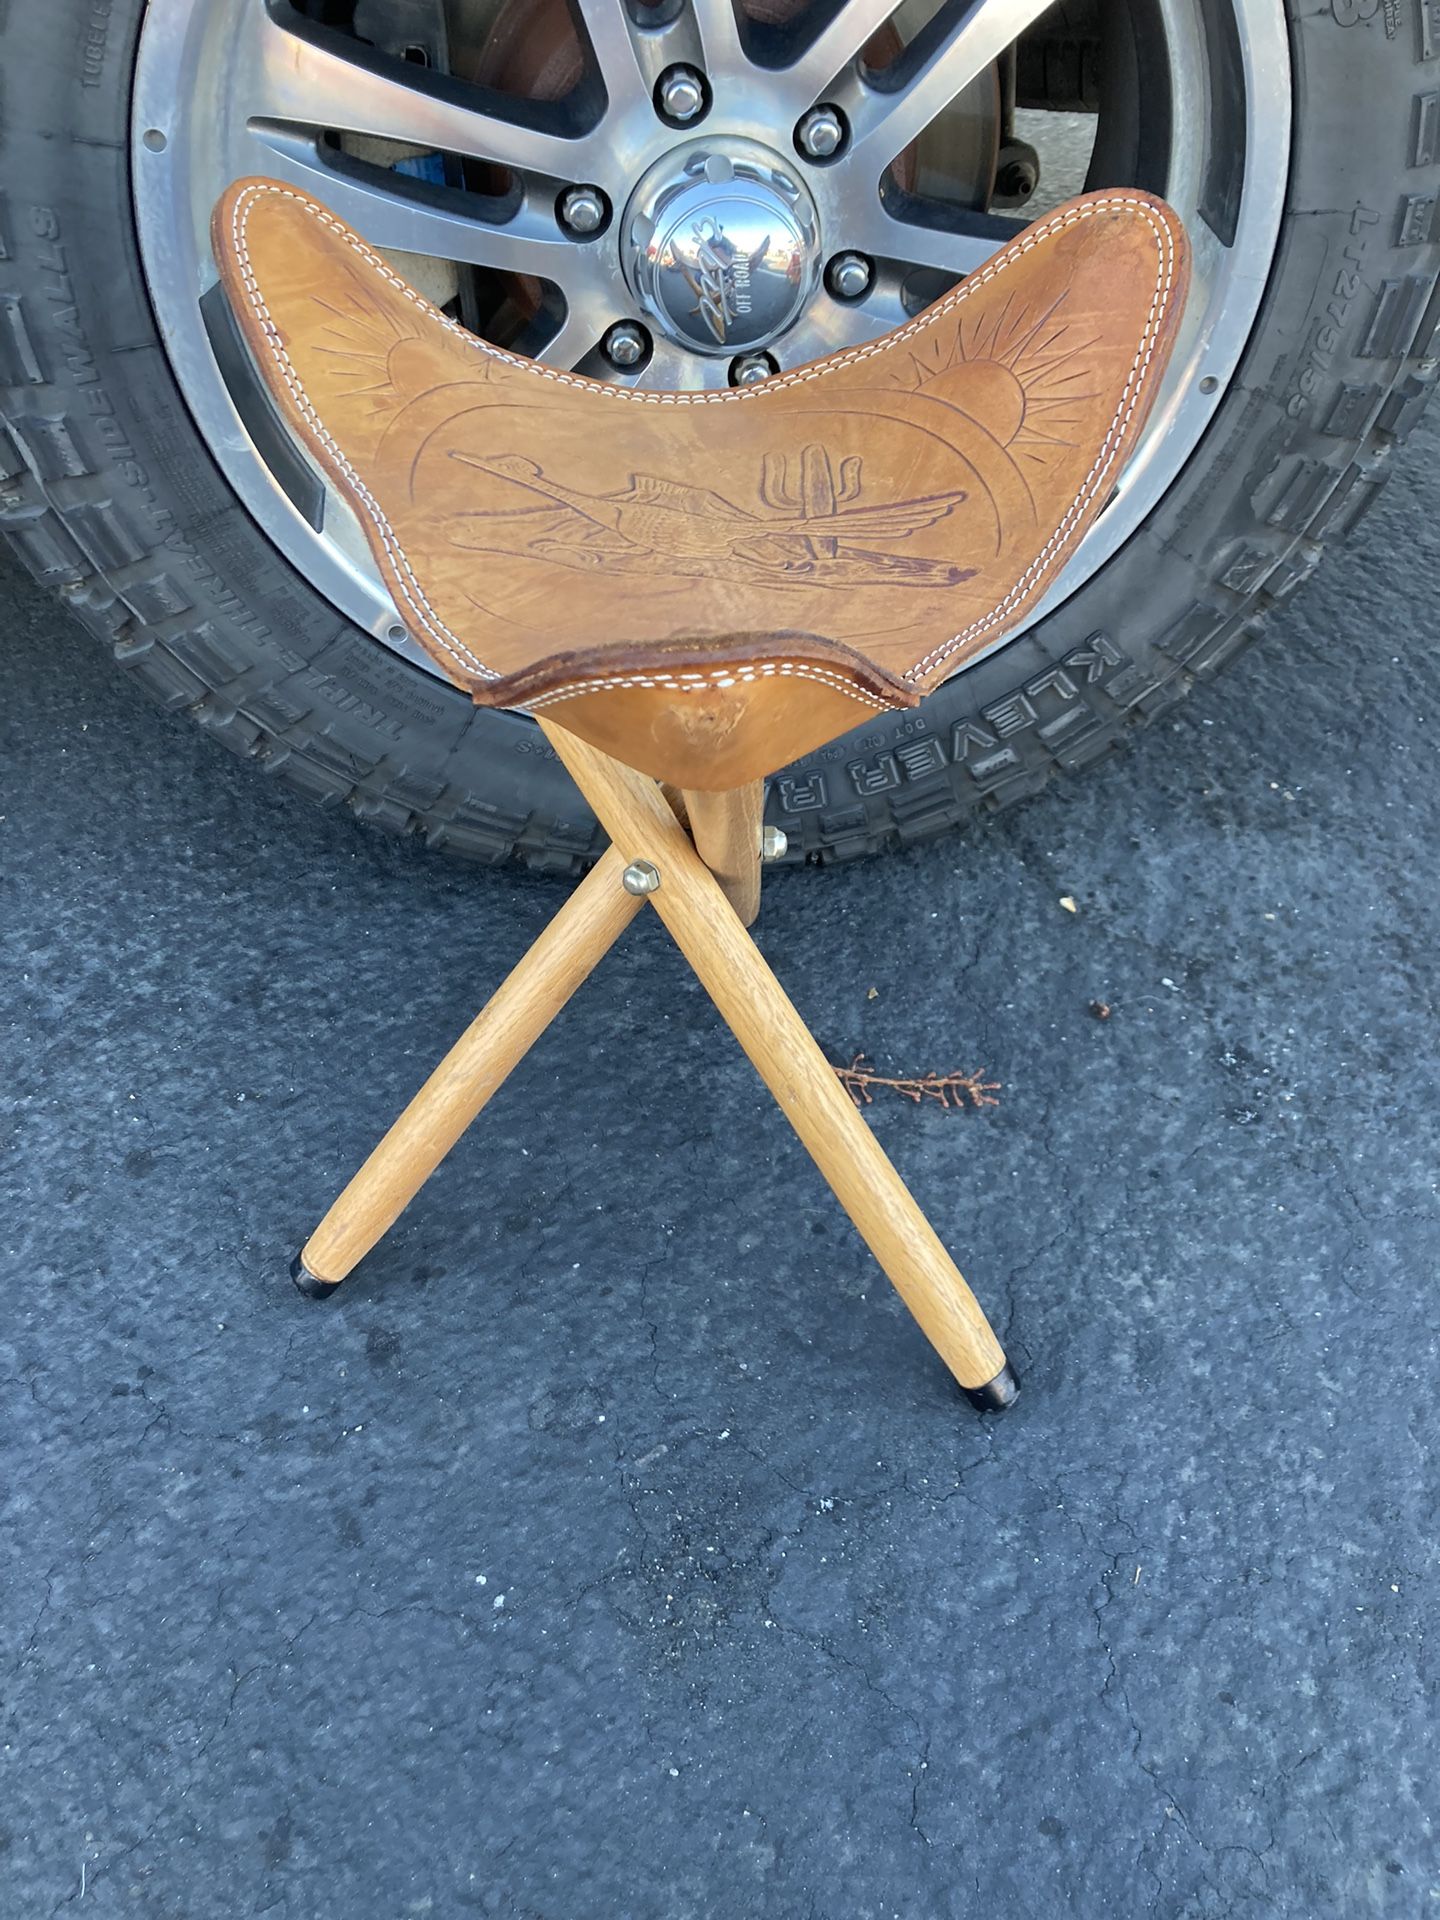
948	1089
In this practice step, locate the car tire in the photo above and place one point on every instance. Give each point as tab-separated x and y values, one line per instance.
112	499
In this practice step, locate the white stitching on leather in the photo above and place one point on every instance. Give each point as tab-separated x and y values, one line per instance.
698	681
414	593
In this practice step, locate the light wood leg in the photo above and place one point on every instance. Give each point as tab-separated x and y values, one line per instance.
691	903
726	829
579	936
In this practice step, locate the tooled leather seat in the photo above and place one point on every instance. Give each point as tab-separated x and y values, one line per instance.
708	585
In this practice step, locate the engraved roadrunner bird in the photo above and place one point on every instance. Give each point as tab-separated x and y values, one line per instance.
813	531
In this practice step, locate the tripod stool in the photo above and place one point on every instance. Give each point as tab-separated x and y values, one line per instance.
757	571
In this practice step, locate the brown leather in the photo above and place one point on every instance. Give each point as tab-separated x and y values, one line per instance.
749	573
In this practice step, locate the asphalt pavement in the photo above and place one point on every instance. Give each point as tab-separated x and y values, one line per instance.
613	1545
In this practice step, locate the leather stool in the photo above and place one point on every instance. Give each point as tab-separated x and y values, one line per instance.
751	573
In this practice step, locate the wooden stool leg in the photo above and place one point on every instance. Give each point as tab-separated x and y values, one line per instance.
726	829
693	906
579	936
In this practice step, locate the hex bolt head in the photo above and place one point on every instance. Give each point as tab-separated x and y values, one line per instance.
774	843
626	344
849	275
749	369
680	94
821	132
641	877
583	209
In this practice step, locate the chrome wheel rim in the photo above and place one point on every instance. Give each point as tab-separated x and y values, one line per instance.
226	88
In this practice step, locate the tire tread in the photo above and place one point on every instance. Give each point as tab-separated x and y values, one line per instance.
268	677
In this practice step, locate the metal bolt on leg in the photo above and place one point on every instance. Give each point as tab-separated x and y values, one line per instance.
641	877
821	132
774	843
680	94
626	344
583	209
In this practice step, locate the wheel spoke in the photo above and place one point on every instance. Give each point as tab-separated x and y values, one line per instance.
833	48
579	333
617	54
719	33
956	249
302	77
964	38
392	220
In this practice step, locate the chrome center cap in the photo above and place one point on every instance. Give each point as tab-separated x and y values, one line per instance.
721	246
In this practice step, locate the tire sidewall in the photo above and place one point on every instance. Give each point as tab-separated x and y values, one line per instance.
1338	365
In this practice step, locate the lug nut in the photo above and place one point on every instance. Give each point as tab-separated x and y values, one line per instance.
680	94
583	209
751	368
641	877
850	275
774	844
626	344
820	132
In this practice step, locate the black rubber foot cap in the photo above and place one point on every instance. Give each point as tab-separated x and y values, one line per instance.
997	1394
314	1289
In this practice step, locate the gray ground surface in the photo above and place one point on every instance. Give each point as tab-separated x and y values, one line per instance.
615	1546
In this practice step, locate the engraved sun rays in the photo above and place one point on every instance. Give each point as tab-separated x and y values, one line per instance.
1022	374
359	345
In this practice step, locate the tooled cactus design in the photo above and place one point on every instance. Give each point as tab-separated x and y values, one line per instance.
817	493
